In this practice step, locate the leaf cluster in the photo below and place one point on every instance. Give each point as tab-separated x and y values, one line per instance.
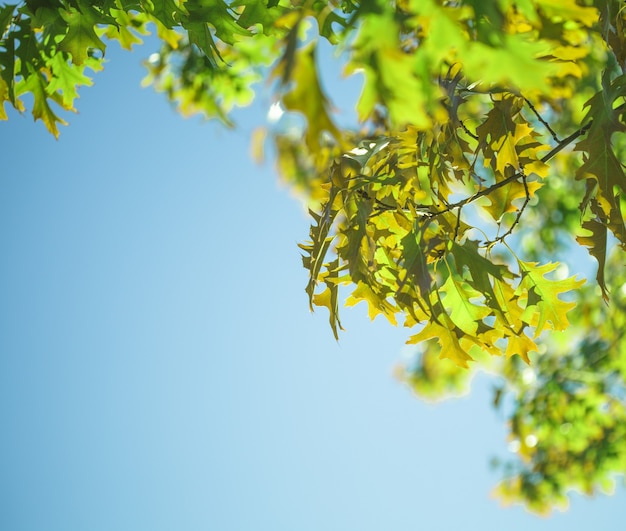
212	52
459	162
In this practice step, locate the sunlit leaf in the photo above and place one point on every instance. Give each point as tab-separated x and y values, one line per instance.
448	339
544	305
307	97
81	34
41	108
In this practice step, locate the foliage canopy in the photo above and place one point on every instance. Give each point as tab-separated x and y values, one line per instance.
489	144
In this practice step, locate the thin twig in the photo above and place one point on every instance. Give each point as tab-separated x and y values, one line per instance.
540	118
430	214
519	212
474	136
458	224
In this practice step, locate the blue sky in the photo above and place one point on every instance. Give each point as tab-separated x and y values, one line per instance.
160	369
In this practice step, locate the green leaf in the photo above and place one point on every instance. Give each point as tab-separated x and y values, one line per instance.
399	81
7	71
414	263
168	12
319	245
256	12
127	28
81	35
600	161
41	109
200	35
6	17
480	269
357	250
219	15
67	77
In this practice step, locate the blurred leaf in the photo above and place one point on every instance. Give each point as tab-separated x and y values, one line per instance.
306	97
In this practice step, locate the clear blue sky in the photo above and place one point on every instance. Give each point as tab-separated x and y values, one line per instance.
160	370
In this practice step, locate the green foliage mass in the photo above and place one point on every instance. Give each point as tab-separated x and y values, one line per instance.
489	145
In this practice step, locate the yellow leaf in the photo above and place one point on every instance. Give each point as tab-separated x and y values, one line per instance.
328	298
569	10
538	168
520	344
375	304
502	198
508	301
257	144
447	338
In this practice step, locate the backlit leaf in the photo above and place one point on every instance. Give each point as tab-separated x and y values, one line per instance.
596	243
306	97
448	338
464	311
41	108
81	34
544	305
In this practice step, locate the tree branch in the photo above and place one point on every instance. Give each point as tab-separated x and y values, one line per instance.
520	173
540	118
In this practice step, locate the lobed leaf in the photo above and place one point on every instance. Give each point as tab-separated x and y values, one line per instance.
543	304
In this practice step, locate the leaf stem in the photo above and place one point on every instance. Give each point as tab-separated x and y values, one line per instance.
540	118
519	212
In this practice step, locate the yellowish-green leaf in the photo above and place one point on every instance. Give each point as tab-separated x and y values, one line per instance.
512	313
67	77
306	97
81	35
329	297
128	28
376	305
41	108
4	96
461	301
569	10
448	338
544	305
